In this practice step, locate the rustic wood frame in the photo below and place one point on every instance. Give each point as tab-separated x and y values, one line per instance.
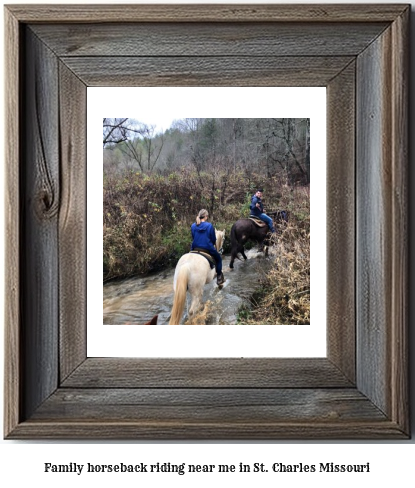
359	52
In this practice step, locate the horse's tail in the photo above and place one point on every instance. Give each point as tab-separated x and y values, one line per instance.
235	244
179	296
233	235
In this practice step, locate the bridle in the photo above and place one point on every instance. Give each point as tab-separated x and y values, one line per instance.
220	251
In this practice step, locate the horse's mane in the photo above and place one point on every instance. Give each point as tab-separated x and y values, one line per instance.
220	237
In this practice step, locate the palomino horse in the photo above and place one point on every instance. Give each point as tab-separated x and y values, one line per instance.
192	273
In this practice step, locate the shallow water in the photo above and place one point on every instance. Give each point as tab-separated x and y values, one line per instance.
137	300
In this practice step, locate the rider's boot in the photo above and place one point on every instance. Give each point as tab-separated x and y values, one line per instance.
220	279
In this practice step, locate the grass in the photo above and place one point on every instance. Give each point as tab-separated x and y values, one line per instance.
284	294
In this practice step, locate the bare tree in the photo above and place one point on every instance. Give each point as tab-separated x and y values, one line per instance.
145	148
115	131
284	147
273	147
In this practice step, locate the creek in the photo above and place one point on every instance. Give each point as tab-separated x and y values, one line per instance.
137	300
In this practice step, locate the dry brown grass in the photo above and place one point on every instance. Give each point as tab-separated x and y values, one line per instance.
284	297
147	218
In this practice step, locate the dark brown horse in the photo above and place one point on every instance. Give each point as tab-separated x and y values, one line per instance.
244	230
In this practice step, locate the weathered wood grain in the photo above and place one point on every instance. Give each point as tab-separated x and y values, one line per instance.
373	223
13	272
382	223
206	399
207	13
210	405
206	373
40	176
340	228
206	71
149	430
72	222
400	245
183	39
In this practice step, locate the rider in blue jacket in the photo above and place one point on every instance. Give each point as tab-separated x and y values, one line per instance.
204	237
257	210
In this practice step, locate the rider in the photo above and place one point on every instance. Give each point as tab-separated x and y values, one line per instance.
257	210
204	237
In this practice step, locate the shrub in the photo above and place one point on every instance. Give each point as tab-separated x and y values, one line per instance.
284	295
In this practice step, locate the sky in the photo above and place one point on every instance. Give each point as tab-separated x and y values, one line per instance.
161	122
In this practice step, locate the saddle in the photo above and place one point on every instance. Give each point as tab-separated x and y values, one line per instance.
205	254
257	221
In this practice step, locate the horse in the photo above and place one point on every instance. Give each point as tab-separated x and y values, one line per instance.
153	321
193	272
245	229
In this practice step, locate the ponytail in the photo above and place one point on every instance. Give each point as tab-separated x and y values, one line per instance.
201	215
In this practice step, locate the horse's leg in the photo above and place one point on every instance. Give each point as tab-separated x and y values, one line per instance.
267	244
234	255
244	240
196	302
262	241
242	251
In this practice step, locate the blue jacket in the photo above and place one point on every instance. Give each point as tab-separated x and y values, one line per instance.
254	209
203	236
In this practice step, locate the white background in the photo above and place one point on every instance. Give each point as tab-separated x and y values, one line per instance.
21	463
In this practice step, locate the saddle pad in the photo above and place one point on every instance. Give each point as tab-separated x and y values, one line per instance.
258	222
206	255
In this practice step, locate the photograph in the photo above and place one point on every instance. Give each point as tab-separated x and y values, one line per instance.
206	221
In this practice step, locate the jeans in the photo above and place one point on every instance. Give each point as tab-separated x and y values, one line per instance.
265	218
218	259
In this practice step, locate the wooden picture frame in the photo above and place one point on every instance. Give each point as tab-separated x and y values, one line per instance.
360	53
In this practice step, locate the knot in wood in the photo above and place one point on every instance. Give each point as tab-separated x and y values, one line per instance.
46	206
